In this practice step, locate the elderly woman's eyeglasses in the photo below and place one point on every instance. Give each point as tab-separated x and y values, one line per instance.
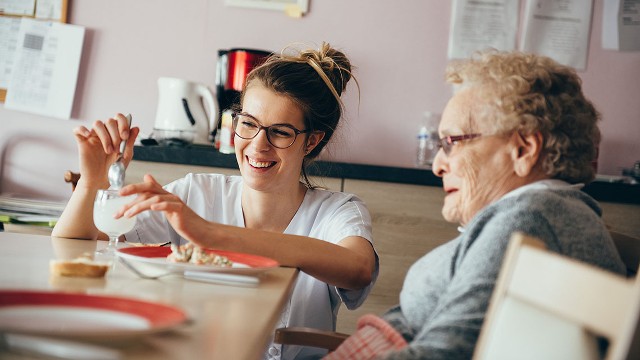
279	135
447	142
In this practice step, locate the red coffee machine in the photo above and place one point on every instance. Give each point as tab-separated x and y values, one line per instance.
231	72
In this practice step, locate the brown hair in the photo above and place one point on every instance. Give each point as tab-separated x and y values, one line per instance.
313	79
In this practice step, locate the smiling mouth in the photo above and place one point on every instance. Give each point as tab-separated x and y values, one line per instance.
260	164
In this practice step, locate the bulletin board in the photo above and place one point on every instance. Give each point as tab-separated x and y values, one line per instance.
50	10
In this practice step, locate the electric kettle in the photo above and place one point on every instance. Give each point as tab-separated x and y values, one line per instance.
181	112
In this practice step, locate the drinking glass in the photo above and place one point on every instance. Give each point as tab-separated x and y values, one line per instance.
107	203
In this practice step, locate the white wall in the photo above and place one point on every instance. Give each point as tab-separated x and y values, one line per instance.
399	48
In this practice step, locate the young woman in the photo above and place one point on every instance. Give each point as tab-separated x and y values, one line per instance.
289	110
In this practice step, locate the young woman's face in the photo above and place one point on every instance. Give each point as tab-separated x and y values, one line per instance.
265	167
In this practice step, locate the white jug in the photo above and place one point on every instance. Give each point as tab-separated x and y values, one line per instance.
181	110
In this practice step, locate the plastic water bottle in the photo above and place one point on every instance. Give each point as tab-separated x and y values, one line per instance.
427	140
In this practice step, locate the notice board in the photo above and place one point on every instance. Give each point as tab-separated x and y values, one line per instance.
11	12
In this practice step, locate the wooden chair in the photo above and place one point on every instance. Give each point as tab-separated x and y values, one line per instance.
548	306
304	336
72	178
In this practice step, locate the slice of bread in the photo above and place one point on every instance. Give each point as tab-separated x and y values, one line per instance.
80	267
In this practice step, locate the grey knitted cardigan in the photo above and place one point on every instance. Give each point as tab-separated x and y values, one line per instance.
446	293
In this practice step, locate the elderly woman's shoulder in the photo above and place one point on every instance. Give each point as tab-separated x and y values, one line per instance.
545	213
554	199
539	207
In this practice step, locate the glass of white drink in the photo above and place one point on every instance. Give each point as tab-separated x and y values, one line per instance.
107	203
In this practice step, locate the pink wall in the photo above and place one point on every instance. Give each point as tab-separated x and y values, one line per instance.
399	48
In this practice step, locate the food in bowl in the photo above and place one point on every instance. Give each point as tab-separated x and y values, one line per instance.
196	255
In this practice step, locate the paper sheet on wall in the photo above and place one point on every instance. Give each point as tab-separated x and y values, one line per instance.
621	25
9	29
558	29
478	25
49	9
17	7
45	71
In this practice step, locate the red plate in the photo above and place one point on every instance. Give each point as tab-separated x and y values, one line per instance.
157	256
81	315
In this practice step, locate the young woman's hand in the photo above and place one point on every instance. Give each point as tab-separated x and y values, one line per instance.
152	196
98	148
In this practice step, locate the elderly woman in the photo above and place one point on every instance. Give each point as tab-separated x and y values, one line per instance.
517	142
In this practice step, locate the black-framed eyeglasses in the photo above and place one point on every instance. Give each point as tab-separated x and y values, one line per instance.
447	142
279	135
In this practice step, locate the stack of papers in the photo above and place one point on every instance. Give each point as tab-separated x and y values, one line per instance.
16	209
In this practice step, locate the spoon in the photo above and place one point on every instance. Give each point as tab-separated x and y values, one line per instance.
116	170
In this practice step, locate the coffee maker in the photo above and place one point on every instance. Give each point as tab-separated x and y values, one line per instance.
231	72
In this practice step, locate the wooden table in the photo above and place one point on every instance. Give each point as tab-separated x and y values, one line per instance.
227	322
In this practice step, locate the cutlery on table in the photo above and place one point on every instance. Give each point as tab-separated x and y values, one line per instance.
135	270
203	276
223	279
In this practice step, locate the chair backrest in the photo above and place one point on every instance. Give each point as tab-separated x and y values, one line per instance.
548	306
629	250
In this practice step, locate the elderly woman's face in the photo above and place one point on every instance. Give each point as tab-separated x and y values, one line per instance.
477	171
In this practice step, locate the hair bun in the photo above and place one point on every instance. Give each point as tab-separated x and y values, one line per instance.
333	63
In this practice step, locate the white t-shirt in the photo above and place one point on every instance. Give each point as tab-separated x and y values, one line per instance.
325	215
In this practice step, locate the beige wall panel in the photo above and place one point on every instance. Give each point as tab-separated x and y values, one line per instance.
407	224
624	218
